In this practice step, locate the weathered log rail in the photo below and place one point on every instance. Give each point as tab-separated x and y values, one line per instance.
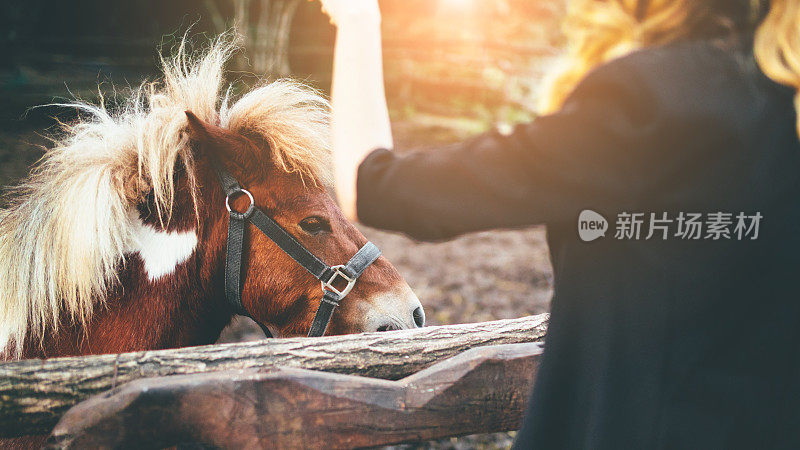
34	394
479	391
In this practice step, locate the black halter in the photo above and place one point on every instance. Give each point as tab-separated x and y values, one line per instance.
330	276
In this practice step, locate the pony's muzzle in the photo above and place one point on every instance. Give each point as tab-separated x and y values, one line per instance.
399	310
417	318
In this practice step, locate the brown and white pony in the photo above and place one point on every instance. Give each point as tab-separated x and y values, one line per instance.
116	241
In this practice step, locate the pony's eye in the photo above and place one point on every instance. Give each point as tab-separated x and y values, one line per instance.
315	225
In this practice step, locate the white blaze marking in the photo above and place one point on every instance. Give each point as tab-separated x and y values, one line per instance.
161	251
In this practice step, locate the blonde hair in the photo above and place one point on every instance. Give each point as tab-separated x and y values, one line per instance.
599	31
68	225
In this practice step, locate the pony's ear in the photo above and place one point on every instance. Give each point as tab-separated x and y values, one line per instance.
211	138
199	129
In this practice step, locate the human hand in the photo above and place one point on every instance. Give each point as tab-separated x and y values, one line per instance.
347	12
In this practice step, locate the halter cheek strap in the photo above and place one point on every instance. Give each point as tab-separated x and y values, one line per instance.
331	277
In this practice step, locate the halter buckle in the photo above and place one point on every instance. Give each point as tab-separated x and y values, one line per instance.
237	214
338	272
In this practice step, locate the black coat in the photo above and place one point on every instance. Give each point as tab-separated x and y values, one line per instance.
653	343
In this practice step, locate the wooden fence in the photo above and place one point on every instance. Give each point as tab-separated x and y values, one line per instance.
334	392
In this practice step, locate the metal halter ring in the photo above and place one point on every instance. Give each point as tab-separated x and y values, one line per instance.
337	272
235	213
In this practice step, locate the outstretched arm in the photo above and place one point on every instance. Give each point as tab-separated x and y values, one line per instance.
604	150
360	119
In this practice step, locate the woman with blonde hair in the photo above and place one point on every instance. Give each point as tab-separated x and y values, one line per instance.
675	120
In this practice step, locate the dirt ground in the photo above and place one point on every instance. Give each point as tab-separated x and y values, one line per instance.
474	278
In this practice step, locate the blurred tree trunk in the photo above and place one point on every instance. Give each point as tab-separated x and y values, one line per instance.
264	26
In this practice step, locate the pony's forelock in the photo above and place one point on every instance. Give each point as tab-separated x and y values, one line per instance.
68	225
292	119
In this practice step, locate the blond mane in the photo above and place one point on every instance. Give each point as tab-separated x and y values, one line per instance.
67	227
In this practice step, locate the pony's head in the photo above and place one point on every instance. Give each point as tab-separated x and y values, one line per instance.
125	211
284	171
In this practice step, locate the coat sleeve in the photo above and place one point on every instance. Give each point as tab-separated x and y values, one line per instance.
593	154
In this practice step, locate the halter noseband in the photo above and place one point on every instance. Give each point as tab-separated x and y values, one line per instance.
328	275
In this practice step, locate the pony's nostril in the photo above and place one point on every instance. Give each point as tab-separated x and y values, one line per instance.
387	327
419	316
